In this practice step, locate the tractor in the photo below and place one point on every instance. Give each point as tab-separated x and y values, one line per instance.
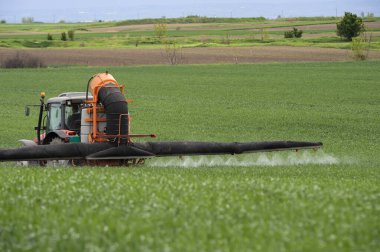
80	117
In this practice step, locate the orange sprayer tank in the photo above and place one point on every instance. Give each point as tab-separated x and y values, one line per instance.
100	80
103	87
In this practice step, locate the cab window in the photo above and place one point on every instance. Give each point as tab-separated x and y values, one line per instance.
72	116
53	117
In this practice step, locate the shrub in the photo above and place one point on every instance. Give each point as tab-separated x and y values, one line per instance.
288	34
360	47
70	34
49	37
23	60
63	36
350	26
295	33
160	30
172	53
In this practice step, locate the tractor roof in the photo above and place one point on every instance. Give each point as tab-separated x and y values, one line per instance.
62	98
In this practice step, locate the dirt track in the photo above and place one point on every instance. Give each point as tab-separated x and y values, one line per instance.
119	57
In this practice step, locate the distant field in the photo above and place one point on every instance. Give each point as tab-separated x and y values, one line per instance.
197	41
312	207
318	32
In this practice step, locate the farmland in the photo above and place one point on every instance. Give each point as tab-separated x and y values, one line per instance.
318	33
222	41
313	207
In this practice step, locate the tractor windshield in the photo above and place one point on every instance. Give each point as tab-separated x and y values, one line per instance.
72	116
53	117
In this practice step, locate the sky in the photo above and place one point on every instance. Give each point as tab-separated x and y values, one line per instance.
91	10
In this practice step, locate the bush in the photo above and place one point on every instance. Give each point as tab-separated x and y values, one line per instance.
173	53
360	47
23	60
288	34
295	33
63	36
350	26
160	30
70	34
49	37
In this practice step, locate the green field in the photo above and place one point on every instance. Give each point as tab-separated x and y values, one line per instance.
260	207
209	32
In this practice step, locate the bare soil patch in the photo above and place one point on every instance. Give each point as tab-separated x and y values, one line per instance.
120	57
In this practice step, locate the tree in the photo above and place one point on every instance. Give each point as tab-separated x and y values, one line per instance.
350	26
27	20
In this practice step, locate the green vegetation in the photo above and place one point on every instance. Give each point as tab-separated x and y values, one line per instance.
241	32
350	26
281	208
360	47
160	30
70	34
295	33
63	36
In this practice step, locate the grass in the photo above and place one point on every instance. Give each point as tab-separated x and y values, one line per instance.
241	32
225	208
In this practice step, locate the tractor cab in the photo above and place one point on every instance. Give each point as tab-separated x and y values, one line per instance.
63	117
62	120
64	112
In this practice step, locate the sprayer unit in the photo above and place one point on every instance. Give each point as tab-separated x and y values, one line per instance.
96	126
